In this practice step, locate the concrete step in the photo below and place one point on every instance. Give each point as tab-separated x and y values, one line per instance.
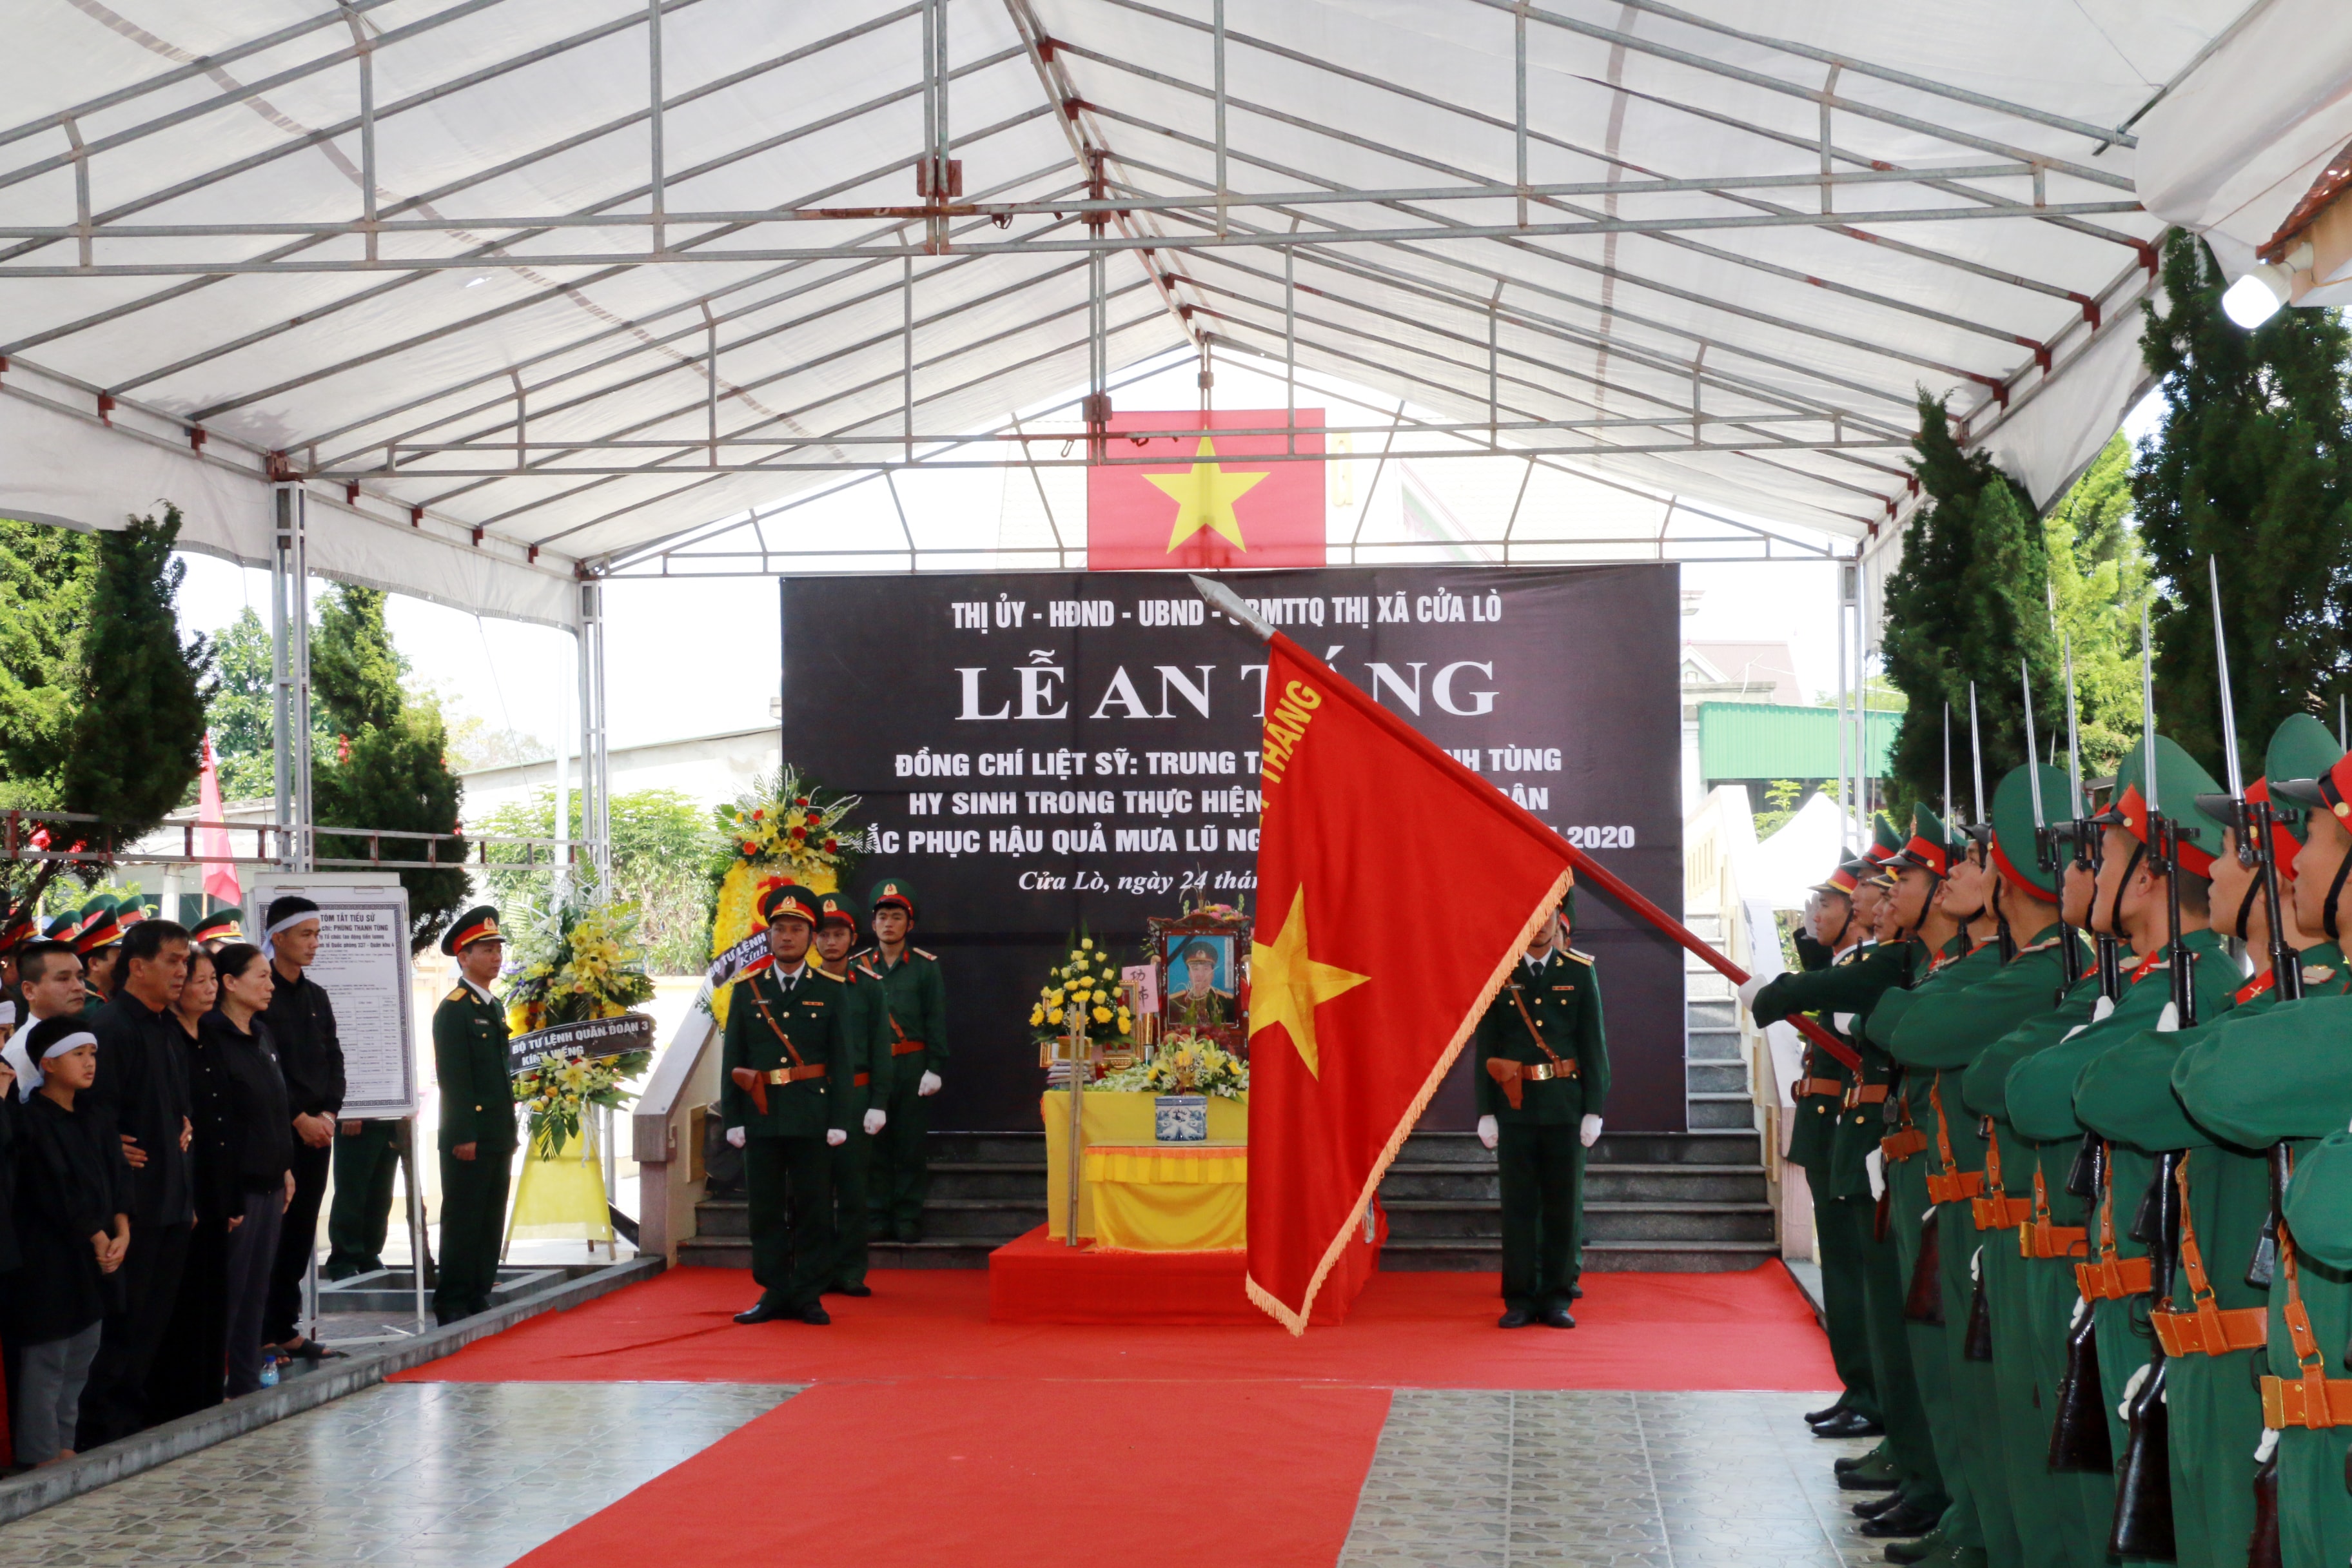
992	1220
1603	1183
1712	1148
735	1252
1021	1179
1721	1113
1712	1045
991	1148
1704	1013
1600	1257
1715	1076
1413	1220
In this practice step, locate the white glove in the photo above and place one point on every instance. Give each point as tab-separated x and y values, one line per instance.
1489	1132
1844	1022
2267	1447
734	1137
2081	1307
1975	1265
2072	1032
2168	1021
2131	1391
834	1137
2101	1008
1874	1164
1747	990
928	1087
1589	1132
874	1122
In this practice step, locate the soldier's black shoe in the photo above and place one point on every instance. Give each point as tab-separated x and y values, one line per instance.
1576	1292
1556	1317
1912	1550
813	1313
1877	1506
1848	1423
1877	1456
858	1290
1904	1518
762	1313
1514	1318
1814	1417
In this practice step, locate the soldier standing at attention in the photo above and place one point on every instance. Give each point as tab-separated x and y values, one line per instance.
790	1067
1543	1073
867	1039
98	939
478	1122
310	1057
917	1019
218	928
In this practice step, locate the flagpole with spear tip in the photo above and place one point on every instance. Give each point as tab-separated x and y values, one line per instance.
1975	752
2251	820
1948	764
1224	601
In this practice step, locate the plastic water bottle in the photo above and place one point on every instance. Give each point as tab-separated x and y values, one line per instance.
269	1371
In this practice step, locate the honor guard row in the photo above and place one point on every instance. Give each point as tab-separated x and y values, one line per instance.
2082	1206
828	1070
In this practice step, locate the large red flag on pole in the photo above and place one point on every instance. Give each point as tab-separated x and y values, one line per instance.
1360	1000
212	831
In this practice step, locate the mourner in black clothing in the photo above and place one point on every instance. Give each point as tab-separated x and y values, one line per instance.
73	1197
310	1055
144	1090
190	1378
246	1136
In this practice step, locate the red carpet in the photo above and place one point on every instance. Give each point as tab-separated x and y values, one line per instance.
1744	1330
1037	1280
1023	1474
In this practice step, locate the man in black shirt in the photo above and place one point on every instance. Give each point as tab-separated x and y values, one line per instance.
302	1024
142	1091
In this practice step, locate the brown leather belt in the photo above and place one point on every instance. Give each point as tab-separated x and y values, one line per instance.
2112	1279
2036	1239
905	1048
794	1075
1866	1094
2001	1213
2212	1331
1901	1145
1806	1087
1954	1186
2306	1401
1544	1072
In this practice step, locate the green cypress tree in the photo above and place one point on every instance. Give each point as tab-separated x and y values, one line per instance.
138	729
45	583
387	766
2099	578
2252	466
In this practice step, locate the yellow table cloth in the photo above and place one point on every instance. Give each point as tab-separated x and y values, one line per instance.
1114	1119
1170	1197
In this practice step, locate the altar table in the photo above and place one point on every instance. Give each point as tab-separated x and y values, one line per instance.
1160	1197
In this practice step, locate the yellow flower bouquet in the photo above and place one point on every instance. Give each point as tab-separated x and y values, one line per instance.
577	964
1186	1063
1083	990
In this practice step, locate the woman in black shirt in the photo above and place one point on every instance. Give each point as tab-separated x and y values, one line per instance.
191	1380
247	1133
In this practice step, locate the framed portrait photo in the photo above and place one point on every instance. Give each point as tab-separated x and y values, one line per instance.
1197	980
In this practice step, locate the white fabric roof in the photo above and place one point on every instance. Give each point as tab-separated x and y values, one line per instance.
185	188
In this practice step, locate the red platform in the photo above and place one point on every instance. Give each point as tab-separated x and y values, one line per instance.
1039	1280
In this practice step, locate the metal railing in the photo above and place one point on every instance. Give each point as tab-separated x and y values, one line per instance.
663	1137
19	844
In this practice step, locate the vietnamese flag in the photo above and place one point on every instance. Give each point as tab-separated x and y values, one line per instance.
1201	502
1364	982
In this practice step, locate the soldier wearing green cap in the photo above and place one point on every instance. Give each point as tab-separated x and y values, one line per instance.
2131	902
2275	1075
477	1120
1846	993
915	1013
789	1067
1541	1079
1836	930
215	931
98	937
1997	881
868	1039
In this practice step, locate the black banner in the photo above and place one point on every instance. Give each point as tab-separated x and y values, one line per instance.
590	1039
1040	752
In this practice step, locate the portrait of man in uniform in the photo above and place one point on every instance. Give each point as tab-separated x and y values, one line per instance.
1197	979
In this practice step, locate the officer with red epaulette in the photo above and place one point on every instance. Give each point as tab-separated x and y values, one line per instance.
869	1040
917	999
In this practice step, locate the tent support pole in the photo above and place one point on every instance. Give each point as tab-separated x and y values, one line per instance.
595	771
289	669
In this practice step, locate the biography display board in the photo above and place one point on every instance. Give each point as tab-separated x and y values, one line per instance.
1042	753
363	965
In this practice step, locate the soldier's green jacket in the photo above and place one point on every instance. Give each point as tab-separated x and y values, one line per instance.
1563	997
1814	1116
1938	1044
867	1030
917	998
1850	990
813	1017
470	1063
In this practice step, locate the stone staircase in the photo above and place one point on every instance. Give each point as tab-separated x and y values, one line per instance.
986	1189
1714	1074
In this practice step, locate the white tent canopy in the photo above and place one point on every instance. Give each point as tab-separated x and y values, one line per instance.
519	291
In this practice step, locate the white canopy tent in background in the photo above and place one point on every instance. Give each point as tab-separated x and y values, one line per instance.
517	295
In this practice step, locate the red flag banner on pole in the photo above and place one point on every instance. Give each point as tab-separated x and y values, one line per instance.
1202	501
212	831
1360	995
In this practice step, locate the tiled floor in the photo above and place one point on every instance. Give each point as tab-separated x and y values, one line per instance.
455	1475
424	1475
1578	1479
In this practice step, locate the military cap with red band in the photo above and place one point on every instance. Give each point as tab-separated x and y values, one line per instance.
2013	850
2179	781
480	923
790	901
890	892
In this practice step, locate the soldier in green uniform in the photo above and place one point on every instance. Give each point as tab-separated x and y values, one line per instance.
98	939
916	1015
218	928
867	1039
477	1120
1542	1077
1951	1165
2131	902
2126	1095
789	1070
2281	1074
1837	927
1847	993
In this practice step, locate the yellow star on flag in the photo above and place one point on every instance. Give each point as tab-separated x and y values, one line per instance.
1286	984
1204	498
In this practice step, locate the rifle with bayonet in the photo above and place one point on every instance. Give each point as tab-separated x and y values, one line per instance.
1980	835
